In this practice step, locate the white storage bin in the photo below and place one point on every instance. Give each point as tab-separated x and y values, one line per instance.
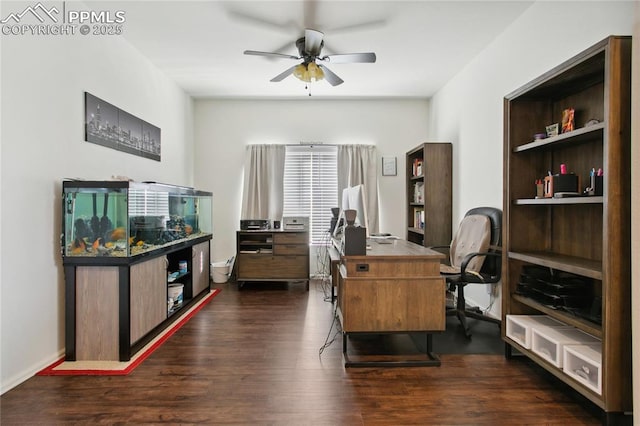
584	364
519	327
549	342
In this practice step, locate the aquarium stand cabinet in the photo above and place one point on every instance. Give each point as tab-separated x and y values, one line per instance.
115	308
131	272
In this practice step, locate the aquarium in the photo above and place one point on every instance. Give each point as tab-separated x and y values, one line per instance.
122	219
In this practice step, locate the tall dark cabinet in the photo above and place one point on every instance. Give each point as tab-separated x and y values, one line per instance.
428	174
586	235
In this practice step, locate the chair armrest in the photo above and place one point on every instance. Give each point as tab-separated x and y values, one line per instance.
467	259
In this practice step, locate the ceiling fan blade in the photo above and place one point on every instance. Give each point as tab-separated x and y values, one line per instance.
281	27
286	47
270	54
362	26
312	42
284	74
309	9
330	76
344	58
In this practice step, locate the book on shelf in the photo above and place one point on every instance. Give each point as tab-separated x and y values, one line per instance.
417	167
418	218
418	192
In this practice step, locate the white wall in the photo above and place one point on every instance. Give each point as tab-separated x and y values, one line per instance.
43	84
469	110
223	129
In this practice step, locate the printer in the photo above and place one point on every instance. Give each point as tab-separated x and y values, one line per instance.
295	223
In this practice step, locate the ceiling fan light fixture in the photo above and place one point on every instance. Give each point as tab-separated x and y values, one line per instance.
315	72
308	72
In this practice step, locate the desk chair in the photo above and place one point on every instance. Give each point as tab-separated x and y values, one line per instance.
474	258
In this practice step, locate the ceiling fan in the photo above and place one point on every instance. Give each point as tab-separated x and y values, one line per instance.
309	49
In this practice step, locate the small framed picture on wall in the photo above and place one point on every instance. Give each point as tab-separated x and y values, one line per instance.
389	166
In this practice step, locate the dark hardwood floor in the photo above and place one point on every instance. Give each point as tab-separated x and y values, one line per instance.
252	357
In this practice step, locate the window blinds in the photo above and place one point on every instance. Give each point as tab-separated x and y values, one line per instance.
311	186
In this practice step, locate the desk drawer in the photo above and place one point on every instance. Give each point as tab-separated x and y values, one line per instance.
255	266
290	249
391	305
291	238
391	267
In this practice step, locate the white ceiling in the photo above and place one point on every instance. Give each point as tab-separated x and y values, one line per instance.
419	45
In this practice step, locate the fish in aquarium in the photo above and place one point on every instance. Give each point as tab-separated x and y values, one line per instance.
104	240
78	246
118	234
101	241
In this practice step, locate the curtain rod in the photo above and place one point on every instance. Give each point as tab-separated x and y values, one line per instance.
311	144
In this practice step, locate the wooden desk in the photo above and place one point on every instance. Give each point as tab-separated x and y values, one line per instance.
394	288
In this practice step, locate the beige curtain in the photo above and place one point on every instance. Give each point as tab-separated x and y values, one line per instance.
357	164
263	194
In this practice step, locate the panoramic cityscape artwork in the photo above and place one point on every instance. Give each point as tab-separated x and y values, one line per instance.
108	125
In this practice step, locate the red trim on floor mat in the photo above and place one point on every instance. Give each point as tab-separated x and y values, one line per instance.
49	371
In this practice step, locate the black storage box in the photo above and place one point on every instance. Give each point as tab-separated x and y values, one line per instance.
566	183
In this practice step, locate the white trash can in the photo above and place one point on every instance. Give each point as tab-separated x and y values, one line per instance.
220	271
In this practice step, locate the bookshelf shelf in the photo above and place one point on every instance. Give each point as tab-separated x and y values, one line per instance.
428	178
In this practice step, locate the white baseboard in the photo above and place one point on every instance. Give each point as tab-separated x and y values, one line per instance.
29	373
491	314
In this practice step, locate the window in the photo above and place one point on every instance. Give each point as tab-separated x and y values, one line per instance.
311	186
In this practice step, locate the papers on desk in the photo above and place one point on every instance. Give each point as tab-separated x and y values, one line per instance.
383	238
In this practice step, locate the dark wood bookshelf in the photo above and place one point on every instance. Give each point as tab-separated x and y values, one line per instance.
588	236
